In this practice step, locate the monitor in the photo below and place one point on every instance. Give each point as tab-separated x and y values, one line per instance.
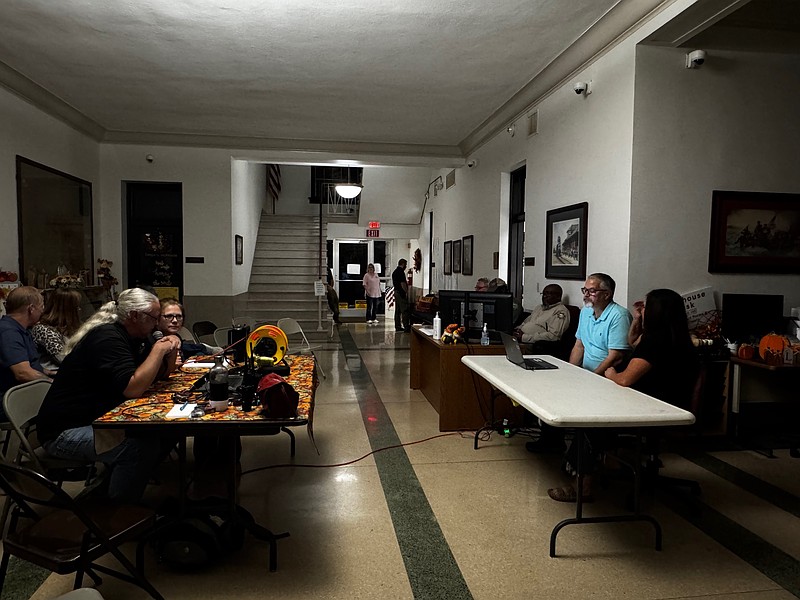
451	306
494	309
748	317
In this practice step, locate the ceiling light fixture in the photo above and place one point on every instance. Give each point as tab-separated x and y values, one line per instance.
351	188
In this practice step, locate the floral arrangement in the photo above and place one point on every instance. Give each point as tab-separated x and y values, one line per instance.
104	273
66	281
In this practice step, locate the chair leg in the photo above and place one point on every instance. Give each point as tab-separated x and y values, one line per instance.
139	577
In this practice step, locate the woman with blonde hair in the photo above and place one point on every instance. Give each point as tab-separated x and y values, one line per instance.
60	320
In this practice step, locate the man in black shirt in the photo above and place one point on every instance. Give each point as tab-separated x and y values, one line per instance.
108	361
402	308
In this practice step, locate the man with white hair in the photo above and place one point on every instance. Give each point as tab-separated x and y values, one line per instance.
108	361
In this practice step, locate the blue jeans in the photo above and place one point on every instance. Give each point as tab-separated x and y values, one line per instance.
372	308
131	463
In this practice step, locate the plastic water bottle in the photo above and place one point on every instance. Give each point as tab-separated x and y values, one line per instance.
437	327
485	335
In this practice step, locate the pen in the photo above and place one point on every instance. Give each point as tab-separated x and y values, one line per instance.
184	405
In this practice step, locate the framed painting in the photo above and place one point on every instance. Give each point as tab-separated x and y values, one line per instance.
238	245
456	256
754	232
448	258
466	249
565	254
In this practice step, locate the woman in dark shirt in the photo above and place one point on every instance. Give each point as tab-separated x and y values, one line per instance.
664	363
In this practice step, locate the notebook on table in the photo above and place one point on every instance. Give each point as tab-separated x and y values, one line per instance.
514	355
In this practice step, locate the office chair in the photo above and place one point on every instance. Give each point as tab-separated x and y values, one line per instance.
291	326
66	535
203	329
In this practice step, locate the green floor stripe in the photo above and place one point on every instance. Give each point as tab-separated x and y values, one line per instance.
431	567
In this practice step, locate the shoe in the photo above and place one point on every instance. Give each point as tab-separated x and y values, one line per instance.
567	494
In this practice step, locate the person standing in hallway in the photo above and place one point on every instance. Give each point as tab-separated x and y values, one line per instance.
372	292
402	310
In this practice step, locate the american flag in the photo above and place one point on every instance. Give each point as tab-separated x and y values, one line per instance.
274	181
390	297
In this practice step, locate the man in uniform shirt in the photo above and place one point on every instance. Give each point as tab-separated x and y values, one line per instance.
548	321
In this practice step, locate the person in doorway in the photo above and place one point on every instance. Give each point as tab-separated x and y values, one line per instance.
402	310
372	292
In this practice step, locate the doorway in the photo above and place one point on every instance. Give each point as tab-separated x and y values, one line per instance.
516	232
350	260
154	230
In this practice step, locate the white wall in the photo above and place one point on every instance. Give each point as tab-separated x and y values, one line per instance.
731	125
207	232
248	195
295	190
26	131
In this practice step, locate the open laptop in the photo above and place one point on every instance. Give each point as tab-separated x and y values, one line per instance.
514	355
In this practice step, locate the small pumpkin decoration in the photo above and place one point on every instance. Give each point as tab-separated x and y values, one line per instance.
772	343
746	352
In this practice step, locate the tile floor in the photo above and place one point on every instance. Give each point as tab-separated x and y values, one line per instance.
439	520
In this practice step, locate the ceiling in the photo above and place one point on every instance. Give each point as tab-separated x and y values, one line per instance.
415	77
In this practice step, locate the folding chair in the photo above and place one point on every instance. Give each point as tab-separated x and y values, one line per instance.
21	404
221	336
65	535
203	329
290	327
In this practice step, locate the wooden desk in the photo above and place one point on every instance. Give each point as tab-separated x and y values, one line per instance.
462	400
764	397
146	416
573	397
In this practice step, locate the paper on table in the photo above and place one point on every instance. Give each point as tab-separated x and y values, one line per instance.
426	330
181	411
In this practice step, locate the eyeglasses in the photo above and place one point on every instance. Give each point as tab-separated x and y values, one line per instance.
172	317
151	316
591	291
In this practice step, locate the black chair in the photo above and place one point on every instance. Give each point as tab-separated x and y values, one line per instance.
202	329
67	535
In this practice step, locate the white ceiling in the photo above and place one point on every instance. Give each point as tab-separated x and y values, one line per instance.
390	73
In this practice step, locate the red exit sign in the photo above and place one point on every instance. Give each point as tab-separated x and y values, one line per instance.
373	233
374	225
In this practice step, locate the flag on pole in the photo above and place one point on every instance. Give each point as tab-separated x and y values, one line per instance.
390	297
274	181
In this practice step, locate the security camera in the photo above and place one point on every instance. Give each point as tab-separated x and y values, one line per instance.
472	163
580	87
695	59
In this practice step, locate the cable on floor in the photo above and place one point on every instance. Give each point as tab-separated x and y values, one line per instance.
355	460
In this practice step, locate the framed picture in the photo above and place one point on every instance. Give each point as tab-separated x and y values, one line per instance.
448	258
565	253
456	256
466	260
238	247
754	232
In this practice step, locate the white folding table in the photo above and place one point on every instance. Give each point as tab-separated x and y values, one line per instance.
576	398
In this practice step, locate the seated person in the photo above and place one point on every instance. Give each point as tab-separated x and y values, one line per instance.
482	285
171	322
548	321
635	331
664	363
19	360
498	286
60	320
106	362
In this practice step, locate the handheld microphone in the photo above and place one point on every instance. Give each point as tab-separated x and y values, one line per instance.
157	335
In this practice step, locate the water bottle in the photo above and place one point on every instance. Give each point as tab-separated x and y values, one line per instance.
218	381
485	335
437	326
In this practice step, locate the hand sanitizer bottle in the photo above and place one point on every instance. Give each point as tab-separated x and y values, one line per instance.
485	335
437	327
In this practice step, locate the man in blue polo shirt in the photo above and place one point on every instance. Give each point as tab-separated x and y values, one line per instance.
602	337
19	360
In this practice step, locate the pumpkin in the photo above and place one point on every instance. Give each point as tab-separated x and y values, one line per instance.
772	342
746	352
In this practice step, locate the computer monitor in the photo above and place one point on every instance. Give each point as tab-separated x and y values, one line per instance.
496	310
748	317
451	306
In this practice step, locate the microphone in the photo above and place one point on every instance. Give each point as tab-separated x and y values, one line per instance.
158	334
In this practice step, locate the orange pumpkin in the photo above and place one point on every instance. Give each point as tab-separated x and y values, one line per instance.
772	342
746	352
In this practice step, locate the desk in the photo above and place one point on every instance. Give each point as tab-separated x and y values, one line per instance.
146	416
462	400
763	394
573	397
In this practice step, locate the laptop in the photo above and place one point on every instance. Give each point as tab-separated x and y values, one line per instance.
514	355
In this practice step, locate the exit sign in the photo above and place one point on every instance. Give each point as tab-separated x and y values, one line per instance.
373	233
374	225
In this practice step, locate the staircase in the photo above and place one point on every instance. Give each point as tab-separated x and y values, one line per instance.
285	267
